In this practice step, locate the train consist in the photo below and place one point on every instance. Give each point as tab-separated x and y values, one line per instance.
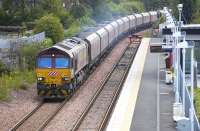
64	66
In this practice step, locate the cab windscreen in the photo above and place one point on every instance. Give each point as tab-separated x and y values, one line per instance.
44	62
61	62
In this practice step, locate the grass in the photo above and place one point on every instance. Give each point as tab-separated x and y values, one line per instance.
197	101
15	81
147	33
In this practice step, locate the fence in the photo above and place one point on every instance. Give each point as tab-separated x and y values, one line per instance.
7	43
9	48
187	101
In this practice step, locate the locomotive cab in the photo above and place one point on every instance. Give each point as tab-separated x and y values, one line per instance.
53	71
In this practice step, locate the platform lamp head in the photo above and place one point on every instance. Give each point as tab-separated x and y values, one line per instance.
180	8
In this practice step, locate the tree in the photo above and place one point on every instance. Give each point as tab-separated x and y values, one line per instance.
79	10
52	6
52	27
187	9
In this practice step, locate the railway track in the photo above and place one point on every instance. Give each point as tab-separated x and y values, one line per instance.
97	113
38	118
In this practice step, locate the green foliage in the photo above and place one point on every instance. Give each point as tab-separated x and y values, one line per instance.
80	10
101	11
196	14
161	20
116	9
86	21
148	33
22	79
72	30
52	7
52	27
197	101
133	6
66	19
29	52
17	12
3	68
196	19
14	81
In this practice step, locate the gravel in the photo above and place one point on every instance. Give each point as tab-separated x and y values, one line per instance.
24	101
21	103
76	105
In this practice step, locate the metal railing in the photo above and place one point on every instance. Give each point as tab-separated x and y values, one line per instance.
188	101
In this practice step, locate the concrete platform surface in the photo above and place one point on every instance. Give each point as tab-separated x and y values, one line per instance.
153	110
145	103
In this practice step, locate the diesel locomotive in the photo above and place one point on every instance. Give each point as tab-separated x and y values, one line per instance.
65	65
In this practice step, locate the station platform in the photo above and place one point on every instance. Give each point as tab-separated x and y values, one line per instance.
145	102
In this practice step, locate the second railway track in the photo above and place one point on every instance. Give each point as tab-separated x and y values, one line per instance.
96	114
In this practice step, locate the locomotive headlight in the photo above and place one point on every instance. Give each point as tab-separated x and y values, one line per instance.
65	79
40	78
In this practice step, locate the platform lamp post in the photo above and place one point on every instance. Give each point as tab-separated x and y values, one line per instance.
183	90
180	8
176	35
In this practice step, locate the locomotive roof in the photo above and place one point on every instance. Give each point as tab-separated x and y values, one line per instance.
66	46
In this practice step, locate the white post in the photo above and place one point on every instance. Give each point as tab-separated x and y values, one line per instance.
177	71
180	7
183	90
180	15
174	64
192	90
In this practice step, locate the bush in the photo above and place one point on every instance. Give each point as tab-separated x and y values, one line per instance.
86	21
14	81
29	52
116	9
66	19
133	6
72	30
51	26
80	10
3	69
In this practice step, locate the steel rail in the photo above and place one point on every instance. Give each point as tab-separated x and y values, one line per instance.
16	126
78	123
114	98
46	121
116	94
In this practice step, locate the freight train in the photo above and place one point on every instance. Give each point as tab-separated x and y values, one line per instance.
65	65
